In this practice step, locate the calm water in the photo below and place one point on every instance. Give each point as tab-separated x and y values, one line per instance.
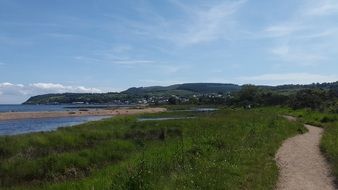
30	108
198	110
162	118
13	127
41	108
206	109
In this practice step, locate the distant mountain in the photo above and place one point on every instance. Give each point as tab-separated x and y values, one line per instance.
134	93
184	90
68	98
209	87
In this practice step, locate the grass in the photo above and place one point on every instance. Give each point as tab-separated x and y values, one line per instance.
226	149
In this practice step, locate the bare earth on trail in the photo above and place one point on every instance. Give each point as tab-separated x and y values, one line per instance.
301	164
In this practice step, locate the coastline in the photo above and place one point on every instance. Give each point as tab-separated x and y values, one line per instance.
91	112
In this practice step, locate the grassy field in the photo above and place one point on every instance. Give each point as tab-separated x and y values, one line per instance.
226	149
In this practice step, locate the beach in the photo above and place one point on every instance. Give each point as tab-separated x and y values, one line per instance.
89	112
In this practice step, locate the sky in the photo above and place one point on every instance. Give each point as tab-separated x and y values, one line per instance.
103	45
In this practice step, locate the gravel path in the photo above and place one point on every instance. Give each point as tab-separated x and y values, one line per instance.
301	164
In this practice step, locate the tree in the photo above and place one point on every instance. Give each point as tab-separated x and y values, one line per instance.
308	98
248	95
334	91
270	99
173	100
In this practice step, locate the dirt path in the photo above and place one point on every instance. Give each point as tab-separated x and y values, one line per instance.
301	164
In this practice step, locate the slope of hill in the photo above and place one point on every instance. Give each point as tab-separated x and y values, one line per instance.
186	88
66	98
132	94
183	90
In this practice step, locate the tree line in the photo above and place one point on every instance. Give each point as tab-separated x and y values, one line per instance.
253	96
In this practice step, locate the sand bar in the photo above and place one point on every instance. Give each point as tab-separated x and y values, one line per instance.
90	112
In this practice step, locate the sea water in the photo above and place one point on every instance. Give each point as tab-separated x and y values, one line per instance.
20	126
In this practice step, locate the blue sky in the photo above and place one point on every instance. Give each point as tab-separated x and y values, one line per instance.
104	45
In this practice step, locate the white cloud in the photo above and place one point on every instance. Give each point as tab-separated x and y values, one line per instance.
118	54
47	86
62	35
322	7
288	78
131	62
303	21
6	84
17	93
196	23
280	30
281	51
150	82
208	23
305	38
297	56
118	49
59	88
327	33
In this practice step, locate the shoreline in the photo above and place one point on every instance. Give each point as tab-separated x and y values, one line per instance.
5	116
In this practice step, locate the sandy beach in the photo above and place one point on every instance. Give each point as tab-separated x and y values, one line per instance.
90	112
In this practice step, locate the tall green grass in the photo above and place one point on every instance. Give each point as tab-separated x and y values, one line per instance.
227	149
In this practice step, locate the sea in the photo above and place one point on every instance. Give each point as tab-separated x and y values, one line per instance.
21	126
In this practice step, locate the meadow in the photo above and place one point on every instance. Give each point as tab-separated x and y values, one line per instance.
225	149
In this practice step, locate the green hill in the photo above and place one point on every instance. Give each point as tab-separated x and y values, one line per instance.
67	98
186	88
133	95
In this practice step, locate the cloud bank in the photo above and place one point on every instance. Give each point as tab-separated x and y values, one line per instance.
18	93
308	37
288	78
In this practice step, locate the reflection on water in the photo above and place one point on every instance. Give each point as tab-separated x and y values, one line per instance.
62	107
162	118
197	110
30	108
172	118
13	127
205	109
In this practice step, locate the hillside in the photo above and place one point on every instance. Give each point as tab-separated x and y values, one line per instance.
66	98
292	88
133	94
187	88
162	93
